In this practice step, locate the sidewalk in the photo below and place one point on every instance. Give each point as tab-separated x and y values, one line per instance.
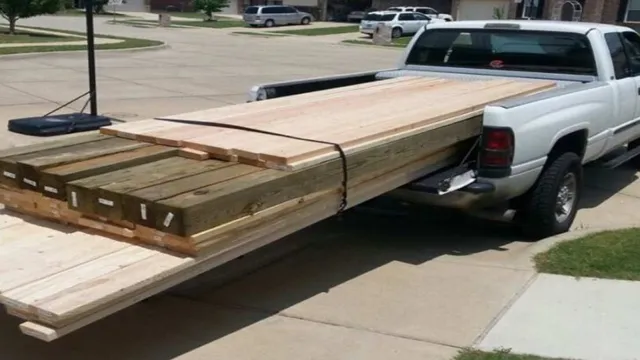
564	317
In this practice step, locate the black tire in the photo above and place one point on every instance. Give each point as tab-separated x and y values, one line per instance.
636	160
538	216
396	33
305	21
269	23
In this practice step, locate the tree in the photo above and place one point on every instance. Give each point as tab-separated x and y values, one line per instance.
208	7
98	6
13	10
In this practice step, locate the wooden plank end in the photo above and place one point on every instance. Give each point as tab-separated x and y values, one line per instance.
40	332
193	154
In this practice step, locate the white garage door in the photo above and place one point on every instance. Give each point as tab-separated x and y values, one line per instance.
480	9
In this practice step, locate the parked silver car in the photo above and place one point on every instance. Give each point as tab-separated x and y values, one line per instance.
272	15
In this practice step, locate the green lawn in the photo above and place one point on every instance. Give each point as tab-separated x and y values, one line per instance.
320	31
497	355
22	37
128	43
195	15
220	24
398	43
607	254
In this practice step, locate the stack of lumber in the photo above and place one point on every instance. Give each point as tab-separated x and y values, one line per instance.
203	195
186	186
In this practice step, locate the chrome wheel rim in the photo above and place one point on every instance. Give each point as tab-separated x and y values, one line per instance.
566	198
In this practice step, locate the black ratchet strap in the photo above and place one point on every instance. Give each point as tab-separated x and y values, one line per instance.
343	156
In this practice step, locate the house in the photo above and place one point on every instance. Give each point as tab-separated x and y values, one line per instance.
602	11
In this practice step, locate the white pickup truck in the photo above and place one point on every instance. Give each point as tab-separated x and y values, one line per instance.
532	150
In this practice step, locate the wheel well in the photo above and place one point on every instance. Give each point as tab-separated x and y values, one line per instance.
575	142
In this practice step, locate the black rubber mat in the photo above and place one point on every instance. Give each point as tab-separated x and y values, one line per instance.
58	124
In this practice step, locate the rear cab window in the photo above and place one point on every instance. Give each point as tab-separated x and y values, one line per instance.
518	50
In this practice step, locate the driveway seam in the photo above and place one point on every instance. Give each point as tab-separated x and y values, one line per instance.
316	321
505	308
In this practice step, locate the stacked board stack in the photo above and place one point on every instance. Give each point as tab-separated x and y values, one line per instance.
201	181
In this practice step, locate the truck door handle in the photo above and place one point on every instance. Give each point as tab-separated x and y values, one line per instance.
638	91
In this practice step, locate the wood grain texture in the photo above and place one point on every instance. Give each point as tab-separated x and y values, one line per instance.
409	103
139	206
29	165
193	154
105	198
78	296
8	172
53	180
191	212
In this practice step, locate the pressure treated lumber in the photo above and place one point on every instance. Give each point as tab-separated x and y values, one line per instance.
53	180
190	213
102	194
80	295
9	177
26	167
138	205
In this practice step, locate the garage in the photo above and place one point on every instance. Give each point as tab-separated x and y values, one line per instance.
480	9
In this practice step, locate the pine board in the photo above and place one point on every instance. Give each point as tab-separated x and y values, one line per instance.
409	103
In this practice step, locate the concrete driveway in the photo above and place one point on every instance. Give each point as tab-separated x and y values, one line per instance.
409	283
203	68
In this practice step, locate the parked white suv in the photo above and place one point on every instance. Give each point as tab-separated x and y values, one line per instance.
401	23
430	12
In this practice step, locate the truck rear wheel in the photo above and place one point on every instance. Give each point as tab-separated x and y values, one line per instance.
636	160
552	203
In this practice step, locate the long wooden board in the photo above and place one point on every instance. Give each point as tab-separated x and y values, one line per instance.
350	117
53	181
63	300
8	174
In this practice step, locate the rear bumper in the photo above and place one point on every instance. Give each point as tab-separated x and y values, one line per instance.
483	193
367	31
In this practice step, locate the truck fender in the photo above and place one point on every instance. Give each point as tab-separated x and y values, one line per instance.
582	129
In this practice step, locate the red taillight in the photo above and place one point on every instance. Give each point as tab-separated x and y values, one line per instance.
497	148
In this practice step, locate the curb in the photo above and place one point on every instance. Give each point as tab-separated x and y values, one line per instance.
371	46
37	54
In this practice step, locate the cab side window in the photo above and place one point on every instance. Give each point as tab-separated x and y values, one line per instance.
619	58
631	42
